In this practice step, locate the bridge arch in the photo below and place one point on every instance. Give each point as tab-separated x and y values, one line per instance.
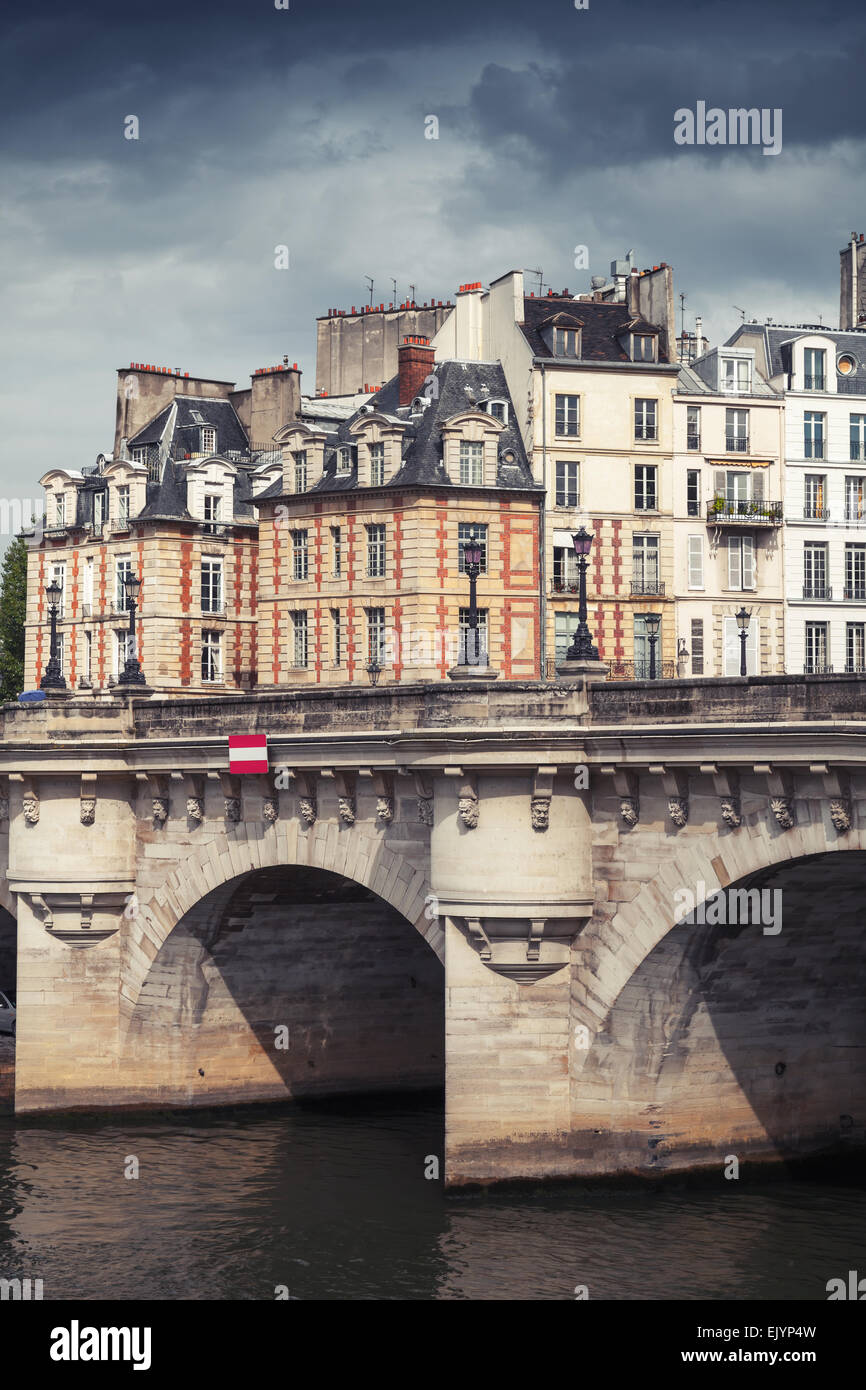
616	944
356	852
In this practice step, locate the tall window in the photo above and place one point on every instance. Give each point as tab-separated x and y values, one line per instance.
642	649
697	646
567	493
87	658
813	434
467	531
814	360
471	463
337	636
565	342
736	374
211	585
99	508
857	426
693	492
645	491
300	555
816	648
642	347
212	502
376	551
566	625
60	509
211	657
815	571
151	458
855	647
473	647
696	562
123	503
376	635
741	562
377	465
855	498
207	439
300	644
732	647
336	552
815	499
58	574
567	416
123	566
737	431
855	571
565	571
87	586
645	564
301	471
645	419
693	427
122	649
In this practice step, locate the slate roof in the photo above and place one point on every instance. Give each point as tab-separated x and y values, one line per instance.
221	414
460	385
778	340
603	325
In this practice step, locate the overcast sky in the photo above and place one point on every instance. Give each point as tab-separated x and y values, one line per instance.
306	127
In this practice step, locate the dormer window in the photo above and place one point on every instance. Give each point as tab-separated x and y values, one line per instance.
377	465
60	509
212	502
99	508
123	503
814	372
566	342
207	439
736	374
499	411
301	471
643	347
344	460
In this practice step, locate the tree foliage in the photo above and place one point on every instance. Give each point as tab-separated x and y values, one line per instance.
13	598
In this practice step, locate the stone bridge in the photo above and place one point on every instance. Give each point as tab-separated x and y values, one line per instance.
483	889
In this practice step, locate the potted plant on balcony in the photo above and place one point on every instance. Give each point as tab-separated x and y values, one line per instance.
718	505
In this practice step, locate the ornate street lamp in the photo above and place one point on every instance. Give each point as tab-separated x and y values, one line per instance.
652	623
374	670
52	678
582	648
132	672
743	624
472	566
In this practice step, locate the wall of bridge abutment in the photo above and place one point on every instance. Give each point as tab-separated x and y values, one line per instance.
578	1026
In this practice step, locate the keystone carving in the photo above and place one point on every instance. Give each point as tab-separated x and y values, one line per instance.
467	804
539	809
542	794
160	809
233	808
425	810
840	813
678	810
783	809
270	809
31	809
629	809
385	809
307	809
88	810
731	812
195	808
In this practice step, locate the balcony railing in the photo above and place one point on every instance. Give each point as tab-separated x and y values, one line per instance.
644	432
640	670
855	593
855	513
647	586
817	591
737	443
813	448
723	511
815	383
811	513
817	668
855	668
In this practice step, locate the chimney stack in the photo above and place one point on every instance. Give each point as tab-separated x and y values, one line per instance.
415	361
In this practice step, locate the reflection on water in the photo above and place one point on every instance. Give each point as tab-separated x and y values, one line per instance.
332	1202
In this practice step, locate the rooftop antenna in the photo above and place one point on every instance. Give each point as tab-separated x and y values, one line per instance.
394	283
412	294
741	312
682	315
370	283
540	274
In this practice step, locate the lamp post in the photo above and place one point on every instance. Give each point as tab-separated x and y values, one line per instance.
472	566
652	623
582	648
132	672
52	678
374	671
743	624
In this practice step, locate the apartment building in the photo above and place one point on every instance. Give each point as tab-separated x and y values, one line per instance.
729	515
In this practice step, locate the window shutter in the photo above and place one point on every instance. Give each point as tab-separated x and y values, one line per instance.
735	574
696	562
718	482
758	485
752	659
731	647
748	562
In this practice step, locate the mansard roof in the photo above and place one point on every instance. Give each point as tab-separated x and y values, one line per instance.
602	327
220	414
462	387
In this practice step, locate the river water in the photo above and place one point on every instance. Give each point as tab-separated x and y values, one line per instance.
331	1202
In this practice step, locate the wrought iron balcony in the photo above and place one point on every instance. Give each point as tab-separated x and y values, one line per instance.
855	513
855	668
647	586
811	513
817	591
737	443
856	593
723	511
817	668
813	449
815	383
640	670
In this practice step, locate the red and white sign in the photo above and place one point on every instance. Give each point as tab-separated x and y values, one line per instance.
248	752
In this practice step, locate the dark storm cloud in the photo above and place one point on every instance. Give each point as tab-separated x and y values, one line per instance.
306	127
